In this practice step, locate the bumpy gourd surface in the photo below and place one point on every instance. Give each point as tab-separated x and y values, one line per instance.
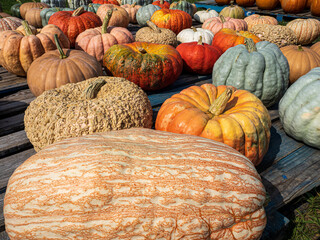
135	184
65	112
299	109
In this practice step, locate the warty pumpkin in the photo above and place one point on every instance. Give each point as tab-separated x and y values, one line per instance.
293	6
28	5
255	19
193	34
132	11
306	30
301	60
267	4
162	4
119	18
215	24
18	50
144	14
232	11
259	68
202	16
136	184
149	65
316	47
175	20
96	41
315	8
9	23
224	114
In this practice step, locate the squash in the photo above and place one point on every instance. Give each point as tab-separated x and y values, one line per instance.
33	17
175	20
316	47
138	2
18	50
193	34
91	7
245	3
315	8
301	60
153	34
119	18
259	68
144	14
115	2
15	9
267	4
74	4
4	15
232	11
293	6
162	4
149	65
119	184
183	5
28	5
132	11
223	2
255	19
309	4
9	23
217	23
198	57
224	114
55	3
96	41
72	23
227	38
202	16
306	30
299	109
46	13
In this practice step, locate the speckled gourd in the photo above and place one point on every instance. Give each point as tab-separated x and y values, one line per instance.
136	184
259	68
95	105
299	109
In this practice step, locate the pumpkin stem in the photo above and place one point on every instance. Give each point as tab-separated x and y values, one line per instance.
104	28
223	20
251	47
92	90
200	40
161	1
300	48
27	28
153	26
208	10
231	3
57	9
142	50
134	4
220	103
78	11
194	29
56	40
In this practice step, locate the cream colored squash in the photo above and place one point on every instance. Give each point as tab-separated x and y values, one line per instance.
202	16
193	34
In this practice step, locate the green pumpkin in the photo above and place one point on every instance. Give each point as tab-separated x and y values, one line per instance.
299	109
183	6
74	4
15	9
55	3
232	11
91	7
261	69
138	2
144	14
46	13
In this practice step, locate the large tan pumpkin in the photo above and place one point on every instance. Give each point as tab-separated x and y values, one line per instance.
25	7
316	47
135	184
306	30
119	18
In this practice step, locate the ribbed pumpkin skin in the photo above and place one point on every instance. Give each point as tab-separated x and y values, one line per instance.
136	184
293	6
55	3
74	4
267	4
246	3
202	16
132	11
255	19
215	24
91	7
299	109
175	20
315	8
154	70
28	5
119	18
46	13
115	2
33	17
244	124
183	5
301	60
72	26
15	10
139	2
316	47
165	4
306	30
227	38
193	34
265	73
232	11
144	14
223	2
9	23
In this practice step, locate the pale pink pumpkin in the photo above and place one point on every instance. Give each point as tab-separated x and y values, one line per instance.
119	18
132	10
215	24
96	41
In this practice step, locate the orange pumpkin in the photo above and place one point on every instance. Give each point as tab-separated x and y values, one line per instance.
245	3
293	6
215	24
223	2
315	8
175	20
267	4
132	10
120	17
316	47
309	2
235	117
301	60
25	7
33	17
256	19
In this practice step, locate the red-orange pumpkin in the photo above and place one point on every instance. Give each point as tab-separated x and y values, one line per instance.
115	2
162	4
267	4
149	65
315	8
293	6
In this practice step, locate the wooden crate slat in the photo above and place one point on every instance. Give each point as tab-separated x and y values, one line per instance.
4	236
11	124
1	213
14	143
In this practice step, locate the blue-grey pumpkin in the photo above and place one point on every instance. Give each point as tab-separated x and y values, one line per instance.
55	3
46	13
77	3
183	6
91	7
144	14
261	69
138	2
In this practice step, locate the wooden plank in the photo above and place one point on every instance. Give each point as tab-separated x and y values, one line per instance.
275	223
14	143
23	95
1	212
4	236
11	124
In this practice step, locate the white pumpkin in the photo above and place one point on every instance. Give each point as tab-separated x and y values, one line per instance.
202	16
193	34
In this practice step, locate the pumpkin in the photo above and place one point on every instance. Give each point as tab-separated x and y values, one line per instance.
28	5
198	57
115	2
255	19
91	7
217	23
301	60
153	34
245	3
232	11
149	65
223	2
299	109
18	51
132	11
224	114
74	4
96	41
316	47
119	184
227	38
306	30
55	3
72	23
315	8
46	13
15	9
267	4
4	15
144	14
175	20
138	2
259	68
33	17
277	34
59	67
193	34
9	23
162	4
293	6
119	18
202	16
309	3
183	5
